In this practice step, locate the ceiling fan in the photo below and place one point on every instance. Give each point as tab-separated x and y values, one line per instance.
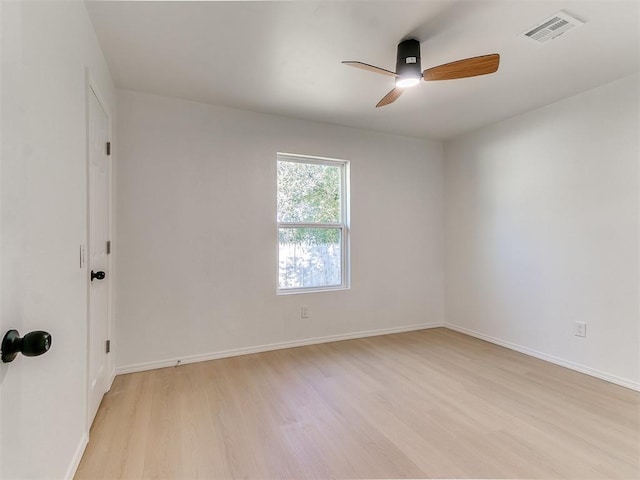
408	71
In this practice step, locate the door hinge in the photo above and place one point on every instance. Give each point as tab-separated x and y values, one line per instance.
108	247
108	346
108	148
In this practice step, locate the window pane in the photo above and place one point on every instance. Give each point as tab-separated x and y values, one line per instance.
310	257
308	193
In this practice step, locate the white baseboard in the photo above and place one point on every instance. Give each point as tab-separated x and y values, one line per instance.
623	382
77	456
172	362
140	367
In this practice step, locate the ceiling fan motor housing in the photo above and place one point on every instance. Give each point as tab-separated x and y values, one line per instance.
408	59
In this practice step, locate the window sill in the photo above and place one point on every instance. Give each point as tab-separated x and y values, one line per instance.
295	291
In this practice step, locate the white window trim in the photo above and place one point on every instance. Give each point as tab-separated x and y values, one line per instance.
345	264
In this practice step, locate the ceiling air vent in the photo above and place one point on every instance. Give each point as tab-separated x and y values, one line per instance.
552	27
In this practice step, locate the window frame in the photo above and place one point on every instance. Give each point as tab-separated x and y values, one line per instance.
345	270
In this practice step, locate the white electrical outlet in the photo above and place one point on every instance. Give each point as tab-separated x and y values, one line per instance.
581	329
304	311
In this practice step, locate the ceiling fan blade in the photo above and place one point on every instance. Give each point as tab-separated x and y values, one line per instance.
469	67
390	97
371	68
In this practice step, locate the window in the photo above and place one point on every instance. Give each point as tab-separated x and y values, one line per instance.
312	215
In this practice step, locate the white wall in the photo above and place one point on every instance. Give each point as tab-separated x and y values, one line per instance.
46	47
197	244
542	218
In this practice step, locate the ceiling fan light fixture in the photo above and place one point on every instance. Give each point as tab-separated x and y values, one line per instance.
409	71
406	82
408	64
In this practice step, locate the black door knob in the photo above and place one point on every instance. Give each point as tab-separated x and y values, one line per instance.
99	275
31	345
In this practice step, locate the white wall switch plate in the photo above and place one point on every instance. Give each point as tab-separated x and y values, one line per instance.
304	311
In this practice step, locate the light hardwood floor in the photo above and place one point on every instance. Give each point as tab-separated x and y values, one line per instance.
426	404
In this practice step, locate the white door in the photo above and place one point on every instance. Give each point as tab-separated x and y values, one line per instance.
98	253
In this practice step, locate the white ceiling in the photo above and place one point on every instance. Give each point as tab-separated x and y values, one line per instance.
284	57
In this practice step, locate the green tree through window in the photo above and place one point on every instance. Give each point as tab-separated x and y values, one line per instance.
311	214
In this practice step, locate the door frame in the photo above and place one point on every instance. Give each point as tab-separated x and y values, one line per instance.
91	88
